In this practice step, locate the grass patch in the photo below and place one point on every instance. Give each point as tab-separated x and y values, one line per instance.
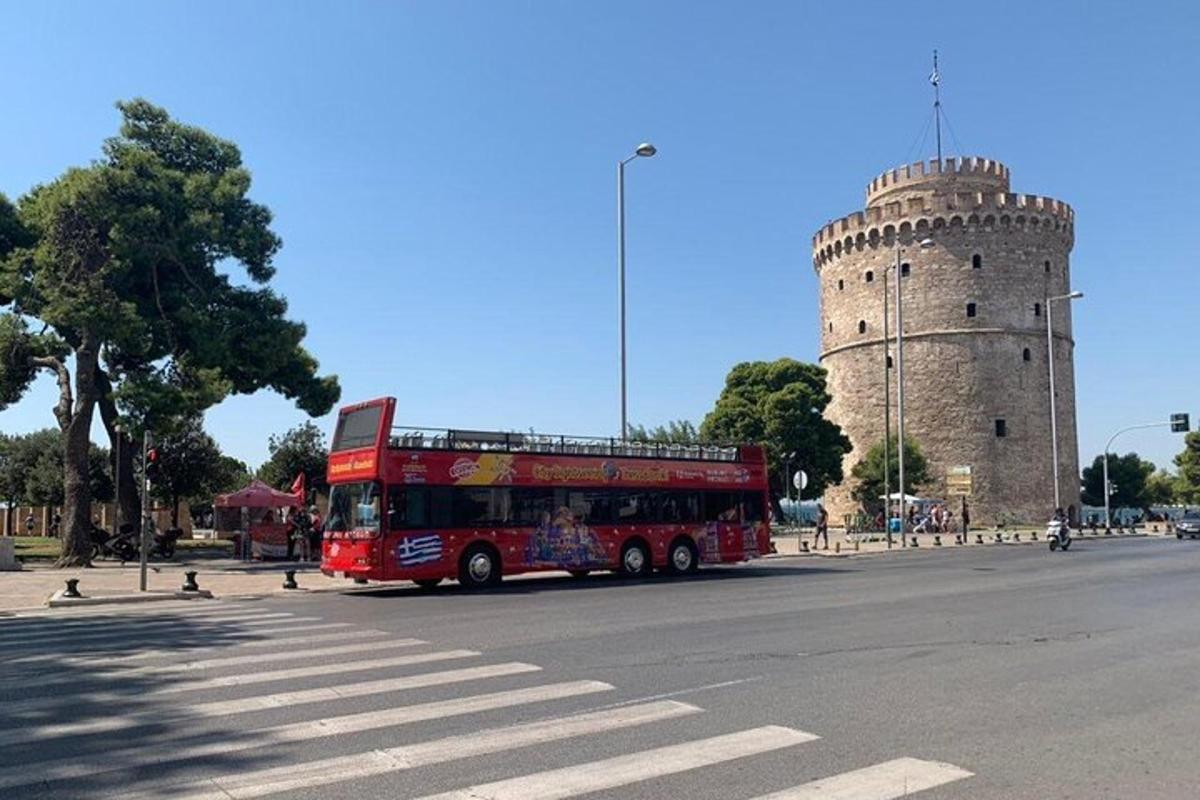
49	548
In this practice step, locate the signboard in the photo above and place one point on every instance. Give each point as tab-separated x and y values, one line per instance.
959	482
800	480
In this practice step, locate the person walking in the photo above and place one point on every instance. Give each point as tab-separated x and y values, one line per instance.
30	523
822	526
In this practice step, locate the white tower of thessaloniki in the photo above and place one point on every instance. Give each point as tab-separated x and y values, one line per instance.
976	377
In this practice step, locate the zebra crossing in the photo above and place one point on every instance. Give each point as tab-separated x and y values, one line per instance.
157	703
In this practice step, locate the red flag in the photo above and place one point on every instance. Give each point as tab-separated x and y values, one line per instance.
298	488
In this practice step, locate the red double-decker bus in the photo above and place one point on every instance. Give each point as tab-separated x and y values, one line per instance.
427	505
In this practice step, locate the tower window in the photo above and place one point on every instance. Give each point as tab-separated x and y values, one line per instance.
1047	266
905	269
831	327
841	284
862	326
977	261
1001	429
889	362
870	276
1037	309
970	309
1026	355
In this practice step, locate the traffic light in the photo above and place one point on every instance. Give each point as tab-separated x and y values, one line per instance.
152	465
1180	423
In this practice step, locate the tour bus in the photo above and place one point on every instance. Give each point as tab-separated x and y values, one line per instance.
426	505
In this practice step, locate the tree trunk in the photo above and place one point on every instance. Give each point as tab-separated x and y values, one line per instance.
77	504
127	505
174	511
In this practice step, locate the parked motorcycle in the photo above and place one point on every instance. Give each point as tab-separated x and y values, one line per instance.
126	547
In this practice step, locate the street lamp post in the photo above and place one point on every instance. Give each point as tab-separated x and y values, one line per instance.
117	481
788	459
644	150
1176	420
1053	405
887	420
924	244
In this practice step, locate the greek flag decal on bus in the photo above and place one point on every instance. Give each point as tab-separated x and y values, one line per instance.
413	550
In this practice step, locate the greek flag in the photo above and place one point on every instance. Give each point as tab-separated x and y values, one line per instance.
414	550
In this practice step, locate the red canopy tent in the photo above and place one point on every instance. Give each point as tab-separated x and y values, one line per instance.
248	515
256	495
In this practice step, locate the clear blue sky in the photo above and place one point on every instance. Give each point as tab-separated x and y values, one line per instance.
442	175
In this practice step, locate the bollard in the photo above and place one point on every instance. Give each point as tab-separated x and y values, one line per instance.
979	538
837	547
914	541
937	541
803	546
1016	537
856	545
1108	531
289	579
189	582
72	588
1033	536
999	538
1155	529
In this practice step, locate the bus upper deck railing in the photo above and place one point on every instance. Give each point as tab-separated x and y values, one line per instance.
405	437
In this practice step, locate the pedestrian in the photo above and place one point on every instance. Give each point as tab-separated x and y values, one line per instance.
56	524
30	523
966	517
822	526
912	517
316	530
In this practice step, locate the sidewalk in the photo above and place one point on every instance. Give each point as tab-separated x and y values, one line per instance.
32	587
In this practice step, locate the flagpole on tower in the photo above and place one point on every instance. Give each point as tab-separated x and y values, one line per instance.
936	79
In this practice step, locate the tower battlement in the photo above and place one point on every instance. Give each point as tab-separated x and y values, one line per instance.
971	173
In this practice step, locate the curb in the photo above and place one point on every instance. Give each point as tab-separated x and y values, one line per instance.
59	600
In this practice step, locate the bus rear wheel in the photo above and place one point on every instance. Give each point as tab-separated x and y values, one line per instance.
635	560
479	567
682	558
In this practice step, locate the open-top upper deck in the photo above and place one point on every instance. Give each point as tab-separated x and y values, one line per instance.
418	438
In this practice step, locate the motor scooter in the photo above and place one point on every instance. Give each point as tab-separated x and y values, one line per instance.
1058	533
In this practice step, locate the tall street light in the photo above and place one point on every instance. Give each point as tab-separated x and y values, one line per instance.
1053	405
924	244
644	150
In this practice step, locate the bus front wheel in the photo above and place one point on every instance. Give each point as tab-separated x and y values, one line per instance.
635	560
479	567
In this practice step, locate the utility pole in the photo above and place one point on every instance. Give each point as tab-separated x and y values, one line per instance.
145	527
887	419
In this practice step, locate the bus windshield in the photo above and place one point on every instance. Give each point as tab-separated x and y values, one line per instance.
354	507
357	428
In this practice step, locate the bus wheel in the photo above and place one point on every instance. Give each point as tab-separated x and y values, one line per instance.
479	567
635	560
427	583
682	558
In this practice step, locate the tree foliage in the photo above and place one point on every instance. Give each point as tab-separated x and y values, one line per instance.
1128	475
1161	488
868	472
118	262
31	469
302	449
192	467
677	431
780	404
1188	464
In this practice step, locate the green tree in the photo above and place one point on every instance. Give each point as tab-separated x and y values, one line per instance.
678	431
119	262
192	467
781	405
1160	488
301	450
1188	464
1128	475
868	472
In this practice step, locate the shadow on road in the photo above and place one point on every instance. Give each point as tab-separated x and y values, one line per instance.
538	584
70	693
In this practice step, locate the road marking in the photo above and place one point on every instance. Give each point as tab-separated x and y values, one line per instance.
133	629
238	641
900	777
14	708
176	749
680	692
296	777
182	608
221	708
612	773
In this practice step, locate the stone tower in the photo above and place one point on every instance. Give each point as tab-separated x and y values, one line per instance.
976	377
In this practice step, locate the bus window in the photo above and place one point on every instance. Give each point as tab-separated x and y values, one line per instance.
532	507
408	507
591	506
441	506
635	506
720	507
752	507
481	506
679	507
353	506
357	429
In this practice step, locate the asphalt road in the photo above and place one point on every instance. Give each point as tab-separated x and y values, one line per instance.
1042	675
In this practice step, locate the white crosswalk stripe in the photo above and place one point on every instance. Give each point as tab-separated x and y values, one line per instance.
165	726
898	778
